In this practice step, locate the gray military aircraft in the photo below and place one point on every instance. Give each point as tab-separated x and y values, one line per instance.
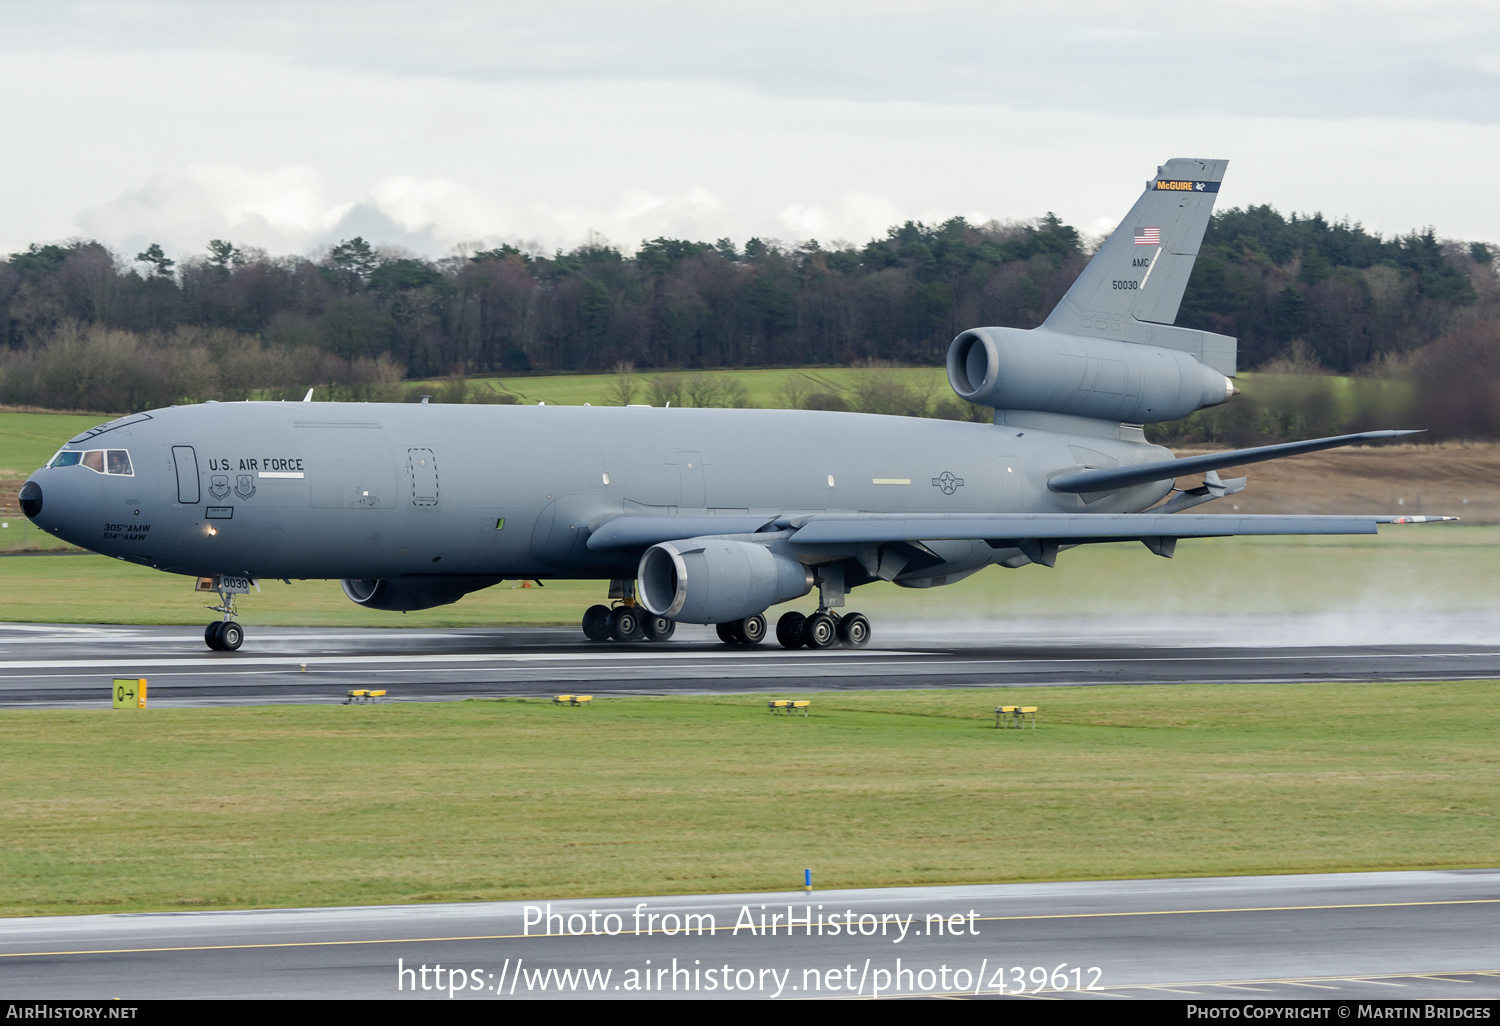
704	516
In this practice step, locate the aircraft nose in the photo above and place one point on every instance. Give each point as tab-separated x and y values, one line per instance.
31	499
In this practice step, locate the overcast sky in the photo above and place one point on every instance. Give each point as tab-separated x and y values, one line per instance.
291	125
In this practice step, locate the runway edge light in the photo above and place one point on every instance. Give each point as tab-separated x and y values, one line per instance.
129	692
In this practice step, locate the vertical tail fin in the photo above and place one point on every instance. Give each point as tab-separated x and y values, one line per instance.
1133	286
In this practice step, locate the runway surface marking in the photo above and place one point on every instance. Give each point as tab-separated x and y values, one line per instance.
671	657
715	929
456	657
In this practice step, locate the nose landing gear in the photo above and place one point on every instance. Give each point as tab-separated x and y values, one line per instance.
225	635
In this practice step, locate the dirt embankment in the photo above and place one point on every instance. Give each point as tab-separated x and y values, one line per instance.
1460	479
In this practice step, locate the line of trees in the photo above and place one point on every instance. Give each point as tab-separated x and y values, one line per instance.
81	327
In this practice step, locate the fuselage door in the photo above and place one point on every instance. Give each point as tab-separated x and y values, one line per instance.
186	462
421	471
690	467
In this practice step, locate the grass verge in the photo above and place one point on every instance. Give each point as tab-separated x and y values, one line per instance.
290	806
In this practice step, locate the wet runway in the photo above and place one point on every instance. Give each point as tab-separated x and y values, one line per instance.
71	666
1327	939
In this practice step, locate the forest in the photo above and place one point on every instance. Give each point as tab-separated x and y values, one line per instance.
86	328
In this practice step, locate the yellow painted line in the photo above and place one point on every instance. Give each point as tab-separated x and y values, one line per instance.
716	928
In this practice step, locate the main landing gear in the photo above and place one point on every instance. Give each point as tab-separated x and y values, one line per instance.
827	627
625	622
824	629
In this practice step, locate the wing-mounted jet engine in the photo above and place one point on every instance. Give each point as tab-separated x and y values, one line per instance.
720	581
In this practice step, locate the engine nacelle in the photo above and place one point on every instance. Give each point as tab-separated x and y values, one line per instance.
716	580
401	596
1103	378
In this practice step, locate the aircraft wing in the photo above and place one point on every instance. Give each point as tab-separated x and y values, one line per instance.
873	528
1110	478
641	531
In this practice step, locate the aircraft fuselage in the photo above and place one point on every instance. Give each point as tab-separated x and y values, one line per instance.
333	490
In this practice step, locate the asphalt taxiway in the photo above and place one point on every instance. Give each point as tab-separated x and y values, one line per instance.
1326	938
46	665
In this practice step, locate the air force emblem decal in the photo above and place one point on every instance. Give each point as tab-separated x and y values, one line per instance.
947	482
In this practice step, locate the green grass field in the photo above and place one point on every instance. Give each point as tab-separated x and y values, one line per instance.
763	385
1340	398
28	440
287	806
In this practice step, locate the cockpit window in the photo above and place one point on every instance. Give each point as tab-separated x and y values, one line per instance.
100	461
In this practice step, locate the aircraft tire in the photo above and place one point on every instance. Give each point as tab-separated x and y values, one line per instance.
854	630
231	636
820	631
752	629
211	635
728	632
789	629
625	624
596	623
659	628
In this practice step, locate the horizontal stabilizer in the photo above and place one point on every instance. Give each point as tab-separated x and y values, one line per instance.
1111	478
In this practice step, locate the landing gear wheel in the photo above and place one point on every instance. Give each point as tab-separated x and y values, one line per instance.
752	629
658	628
231	636
625	624
211	635
820	631
789	629
729	632
596	623
854	630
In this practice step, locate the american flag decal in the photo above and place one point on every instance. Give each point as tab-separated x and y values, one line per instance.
1148	236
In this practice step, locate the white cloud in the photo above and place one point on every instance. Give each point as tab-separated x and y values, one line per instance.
276	210
286	126
855	215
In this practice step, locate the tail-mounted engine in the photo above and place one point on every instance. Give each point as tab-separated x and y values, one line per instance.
1102	378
